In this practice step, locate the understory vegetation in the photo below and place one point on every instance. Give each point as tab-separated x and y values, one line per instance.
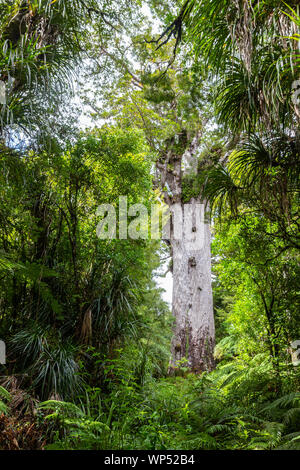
238	406
94	102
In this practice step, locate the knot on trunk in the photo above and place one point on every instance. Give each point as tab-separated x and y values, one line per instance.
192	262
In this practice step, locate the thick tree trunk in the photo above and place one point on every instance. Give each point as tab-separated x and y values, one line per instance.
192	306
194	335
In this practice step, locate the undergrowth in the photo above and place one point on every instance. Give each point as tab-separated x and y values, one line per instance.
238	406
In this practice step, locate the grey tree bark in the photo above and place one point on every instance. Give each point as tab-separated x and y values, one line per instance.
192	304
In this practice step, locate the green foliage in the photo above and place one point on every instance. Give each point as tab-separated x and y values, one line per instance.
231	408
71	288
4	395
191	187
30	59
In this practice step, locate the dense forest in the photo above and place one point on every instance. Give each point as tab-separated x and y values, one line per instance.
143	139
